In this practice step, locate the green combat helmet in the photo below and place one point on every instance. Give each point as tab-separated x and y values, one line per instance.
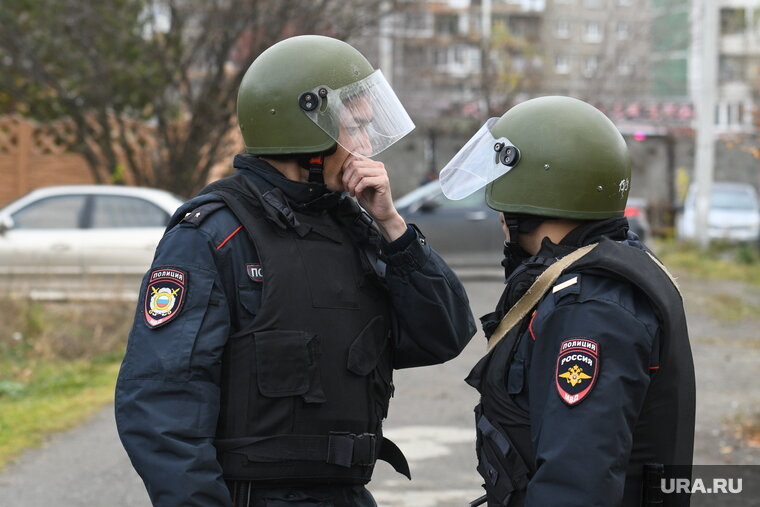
304	94
551	157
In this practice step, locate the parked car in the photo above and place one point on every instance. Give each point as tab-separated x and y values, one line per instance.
465	232
636	213
83	229
734	213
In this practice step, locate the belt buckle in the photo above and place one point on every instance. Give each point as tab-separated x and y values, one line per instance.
365	449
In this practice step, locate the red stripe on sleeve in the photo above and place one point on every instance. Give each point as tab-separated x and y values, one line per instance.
229	237
530	326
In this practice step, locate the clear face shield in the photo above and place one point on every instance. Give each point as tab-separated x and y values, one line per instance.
482	160
364	117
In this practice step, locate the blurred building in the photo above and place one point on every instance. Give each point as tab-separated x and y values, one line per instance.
597	50
442	64
738	65
455	62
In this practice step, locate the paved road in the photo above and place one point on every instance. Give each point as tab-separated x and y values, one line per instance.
430	418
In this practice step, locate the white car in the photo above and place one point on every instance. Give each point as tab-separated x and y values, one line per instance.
71	231
734	213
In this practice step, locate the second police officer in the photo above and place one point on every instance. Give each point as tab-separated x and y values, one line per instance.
587	389
259	366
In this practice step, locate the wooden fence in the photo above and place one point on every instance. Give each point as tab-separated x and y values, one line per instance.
32	156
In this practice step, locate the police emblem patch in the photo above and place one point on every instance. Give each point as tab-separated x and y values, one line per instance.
577	369
164	296
254	272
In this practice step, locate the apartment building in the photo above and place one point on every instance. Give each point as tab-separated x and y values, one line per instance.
442	64
597	50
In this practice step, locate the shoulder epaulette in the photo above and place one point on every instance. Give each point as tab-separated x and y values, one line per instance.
202	212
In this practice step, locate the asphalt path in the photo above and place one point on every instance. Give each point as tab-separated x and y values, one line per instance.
430	419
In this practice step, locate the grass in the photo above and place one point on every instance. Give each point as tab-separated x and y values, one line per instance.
722	261
58	366
730	309
59	396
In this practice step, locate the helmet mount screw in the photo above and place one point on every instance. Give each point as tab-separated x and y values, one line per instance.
498	146
508	155
323	92
599	188
308	101
547	167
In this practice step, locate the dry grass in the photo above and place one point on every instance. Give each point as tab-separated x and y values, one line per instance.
58	364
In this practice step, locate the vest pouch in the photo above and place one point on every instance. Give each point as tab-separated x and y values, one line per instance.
369	356
250	297
286	365
328	288
504	471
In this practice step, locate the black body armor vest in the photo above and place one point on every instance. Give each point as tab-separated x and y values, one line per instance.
664	432
306	385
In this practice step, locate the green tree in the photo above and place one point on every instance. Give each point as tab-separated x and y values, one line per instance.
111	65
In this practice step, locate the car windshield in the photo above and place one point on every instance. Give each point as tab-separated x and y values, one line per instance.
728	200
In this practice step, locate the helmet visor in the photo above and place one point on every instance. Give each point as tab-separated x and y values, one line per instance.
476	165
364	117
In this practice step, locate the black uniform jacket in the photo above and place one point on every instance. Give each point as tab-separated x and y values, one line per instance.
168	392
574	391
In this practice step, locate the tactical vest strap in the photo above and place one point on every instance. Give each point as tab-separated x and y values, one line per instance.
338	448
535	293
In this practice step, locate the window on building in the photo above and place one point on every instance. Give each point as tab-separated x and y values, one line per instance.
447	24
562	29
590	65
625	66
414	21
622	31
732	21
518	63
732	68
460	53
441	56
593	32
561	64
415	55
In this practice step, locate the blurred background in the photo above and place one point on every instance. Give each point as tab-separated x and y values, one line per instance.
113	112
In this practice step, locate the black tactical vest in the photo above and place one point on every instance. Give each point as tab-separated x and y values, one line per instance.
664	433
306	386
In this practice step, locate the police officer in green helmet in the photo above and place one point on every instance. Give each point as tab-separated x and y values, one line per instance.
587	388
259	366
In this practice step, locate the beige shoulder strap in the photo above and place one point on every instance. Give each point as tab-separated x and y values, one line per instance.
534	294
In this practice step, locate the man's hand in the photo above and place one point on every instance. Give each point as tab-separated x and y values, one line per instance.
367	180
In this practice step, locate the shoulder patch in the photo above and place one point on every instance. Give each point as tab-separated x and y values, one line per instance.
164	296
577	369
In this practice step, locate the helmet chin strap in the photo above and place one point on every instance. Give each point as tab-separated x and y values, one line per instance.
514	254
316	169
518	224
